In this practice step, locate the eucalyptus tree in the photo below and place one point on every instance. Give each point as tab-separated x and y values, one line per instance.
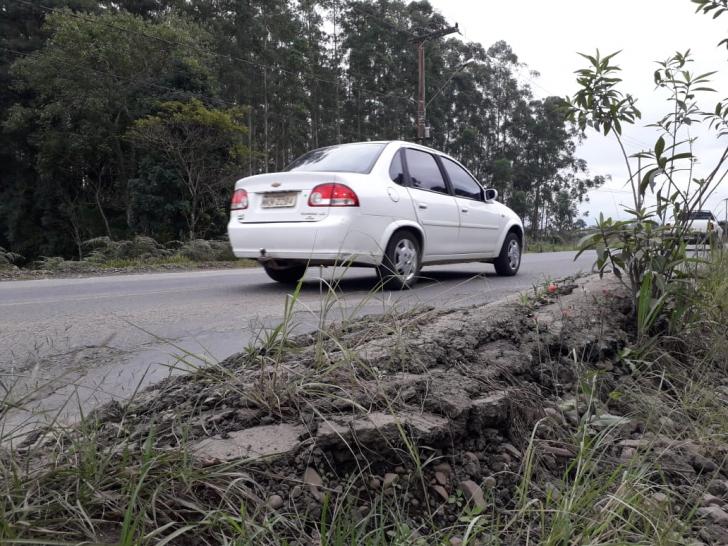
86	86
545	161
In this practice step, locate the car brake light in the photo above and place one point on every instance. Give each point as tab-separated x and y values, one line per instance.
240	200
333	195
710	226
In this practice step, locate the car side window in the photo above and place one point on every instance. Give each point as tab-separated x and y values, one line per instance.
396	170
463	184
424	172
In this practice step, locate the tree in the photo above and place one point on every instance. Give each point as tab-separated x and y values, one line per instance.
546	163
311	73
564	211
84	88
204	148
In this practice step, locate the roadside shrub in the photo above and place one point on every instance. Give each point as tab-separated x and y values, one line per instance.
9	260
200	250
140	248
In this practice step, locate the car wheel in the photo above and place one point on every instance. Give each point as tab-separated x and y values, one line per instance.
401	264
509	259
289	275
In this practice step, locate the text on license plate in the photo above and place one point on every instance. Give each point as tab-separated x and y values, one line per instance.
278	200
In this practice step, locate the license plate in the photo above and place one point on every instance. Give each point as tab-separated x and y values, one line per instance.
278	200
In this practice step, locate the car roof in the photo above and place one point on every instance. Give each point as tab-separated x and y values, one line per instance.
402	143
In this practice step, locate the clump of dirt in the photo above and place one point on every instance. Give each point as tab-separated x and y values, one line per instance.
443	409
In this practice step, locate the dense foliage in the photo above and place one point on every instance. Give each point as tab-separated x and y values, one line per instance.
94	97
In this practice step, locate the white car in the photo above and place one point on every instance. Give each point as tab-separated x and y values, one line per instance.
395	206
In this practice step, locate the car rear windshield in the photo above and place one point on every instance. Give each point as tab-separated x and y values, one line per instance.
699	215
349	158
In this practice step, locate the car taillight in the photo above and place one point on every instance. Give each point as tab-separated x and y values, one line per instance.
710	226
240	200
333	195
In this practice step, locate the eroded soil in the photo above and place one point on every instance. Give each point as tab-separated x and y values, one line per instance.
445	409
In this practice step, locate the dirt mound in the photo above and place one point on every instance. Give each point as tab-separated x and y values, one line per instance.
446	410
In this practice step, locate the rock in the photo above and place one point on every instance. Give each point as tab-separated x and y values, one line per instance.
716	513
374	483
667	422
572	417
389	480
377	427
389	492
643	442
296	492
558	451
553	492
440	490
473	493
440	478
490	482
275	501
607	366
718	488
627	454
311	477
262	441
702	464
363	511
314	481
472	469
489	412
711	500
456	541
399	470
472	456
660	498
554	415
512	450
444	468
415	503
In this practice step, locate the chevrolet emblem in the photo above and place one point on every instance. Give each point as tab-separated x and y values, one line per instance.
275	184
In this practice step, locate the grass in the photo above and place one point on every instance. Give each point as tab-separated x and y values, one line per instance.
111	482
538	246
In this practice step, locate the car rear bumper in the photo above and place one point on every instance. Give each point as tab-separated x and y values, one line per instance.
700	238
333	240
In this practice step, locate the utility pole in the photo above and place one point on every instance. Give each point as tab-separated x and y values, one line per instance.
420	40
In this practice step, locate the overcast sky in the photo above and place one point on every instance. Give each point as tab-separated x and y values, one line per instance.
547	34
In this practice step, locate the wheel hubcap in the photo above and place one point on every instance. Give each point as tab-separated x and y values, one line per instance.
514	256
405	259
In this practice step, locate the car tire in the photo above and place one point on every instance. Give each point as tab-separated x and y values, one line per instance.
401	263
289	275
509	259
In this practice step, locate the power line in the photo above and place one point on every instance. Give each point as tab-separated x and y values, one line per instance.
206	52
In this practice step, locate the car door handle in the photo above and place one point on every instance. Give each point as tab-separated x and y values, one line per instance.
423	206
464	210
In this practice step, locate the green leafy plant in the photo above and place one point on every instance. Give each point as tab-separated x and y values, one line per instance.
645	251
9	259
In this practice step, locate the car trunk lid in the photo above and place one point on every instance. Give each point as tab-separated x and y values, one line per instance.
282	197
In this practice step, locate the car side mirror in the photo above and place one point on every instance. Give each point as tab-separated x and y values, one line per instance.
490	195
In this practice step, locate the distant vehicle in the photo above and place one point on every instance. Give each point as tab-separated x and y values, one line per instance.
394	206
702	227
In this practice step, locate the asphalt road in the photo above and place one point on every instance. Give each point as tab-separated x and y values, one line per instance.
84	341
